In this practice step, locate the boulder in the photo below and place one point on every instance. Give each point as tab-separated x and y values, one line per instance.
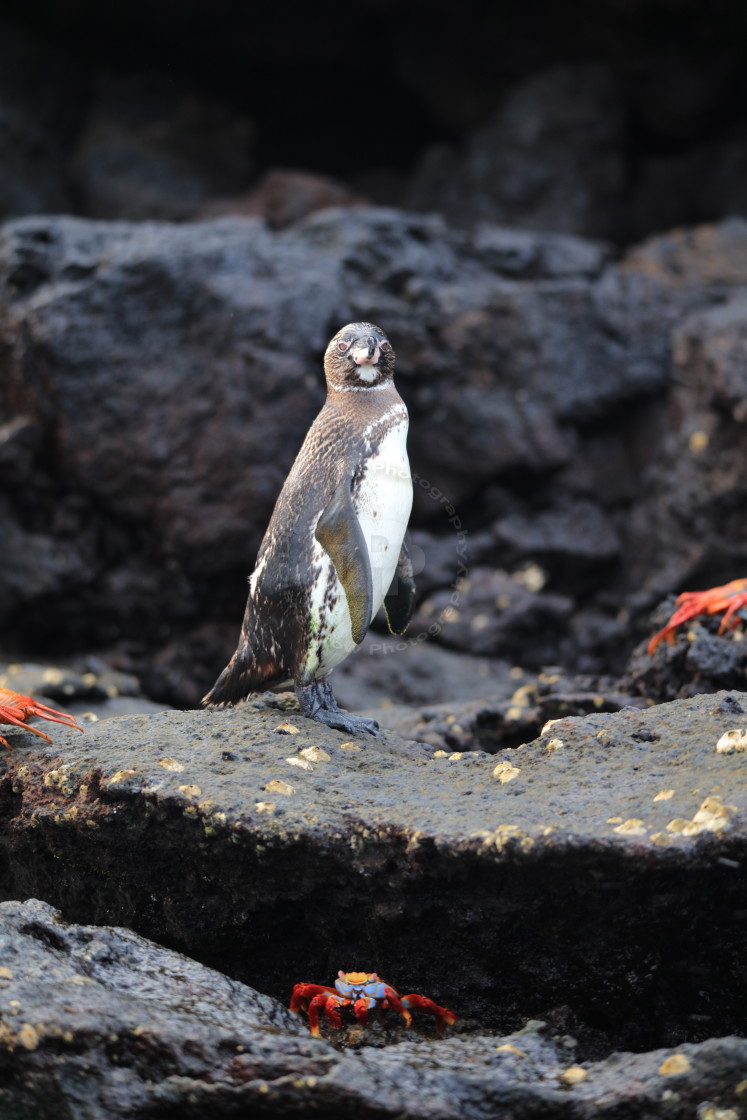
573	543
508	717
698	659
616	123
91	692
150	147
283	197
42	94
156	381
99	1023
386	670
550	158
575	879
491	613
695	487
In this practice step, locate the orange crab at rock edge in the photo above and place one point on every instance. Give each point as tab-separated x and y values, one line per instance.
731	598
361	992
17	709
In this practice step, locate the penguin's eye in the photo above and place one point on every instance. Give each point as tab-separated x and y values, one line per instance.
384	346
343	346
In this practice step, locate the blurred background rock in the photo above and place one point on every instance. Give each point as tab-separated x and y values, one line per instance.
611	122
544	205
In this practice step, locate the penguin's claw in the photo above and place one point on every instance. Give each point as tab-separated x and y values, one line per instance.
353	725
318	702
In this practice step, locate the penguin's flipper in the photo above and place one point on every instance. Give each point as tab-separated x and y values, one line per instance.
399	601
340	535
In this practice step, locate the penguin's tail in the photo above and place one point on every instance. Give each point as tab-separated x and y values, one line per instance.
243	674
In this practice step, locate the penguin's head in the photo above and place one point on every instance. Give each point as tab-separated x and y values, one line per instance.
360	356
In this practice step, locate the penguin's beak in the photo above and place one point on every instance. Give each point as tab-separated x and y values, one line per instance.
366	352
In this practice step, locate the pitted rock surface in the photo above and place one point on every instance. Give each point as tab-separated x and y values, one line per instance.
576	878
97	1023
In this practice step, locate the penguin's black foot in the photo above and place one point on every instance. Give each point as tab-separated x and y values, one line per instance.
317	702
343	721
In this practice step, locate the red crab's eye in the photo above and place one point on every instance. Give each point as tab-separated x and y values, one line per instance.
343	346
384	346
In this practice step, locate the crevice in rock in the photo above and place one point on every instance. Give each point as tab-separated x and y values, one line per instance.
621	954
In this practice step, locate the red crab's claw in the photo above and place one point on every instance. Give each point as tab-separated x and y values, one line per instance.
327	1002
442	1015
361	1008
315	998
731	598
303	994
17	709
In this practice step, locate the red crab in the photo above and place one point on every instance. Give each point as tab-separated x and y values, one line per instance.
362	991
16	709
731	598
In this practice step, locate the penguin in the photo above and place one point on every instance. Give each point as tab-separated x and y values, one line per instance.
334	549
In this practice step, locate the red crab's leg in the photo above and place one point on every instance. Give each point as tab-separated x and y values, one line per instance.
738	603
328	1003
442	1015
730	598
6	716
53	715
361	1008
393	1000
16	709
303	994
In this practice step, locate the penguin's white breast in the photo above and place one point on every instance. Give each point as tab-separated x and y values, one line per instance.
383	503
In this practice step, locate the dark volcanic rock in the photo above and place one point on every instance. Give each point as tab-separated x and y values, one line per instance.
698	660
493	613
508	716
386	670
528	255
156	382
36	566
622	121
99	1023
41	104
695	487
152	148
572	543
282	198
91	692
682	187
550	159
586	870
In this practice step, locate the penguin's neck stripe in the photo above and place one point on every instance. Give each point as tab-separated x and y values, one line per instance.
359	388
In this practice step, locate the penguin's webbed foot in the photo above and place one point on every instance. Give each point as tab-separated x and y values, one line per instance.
343	721
318	702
